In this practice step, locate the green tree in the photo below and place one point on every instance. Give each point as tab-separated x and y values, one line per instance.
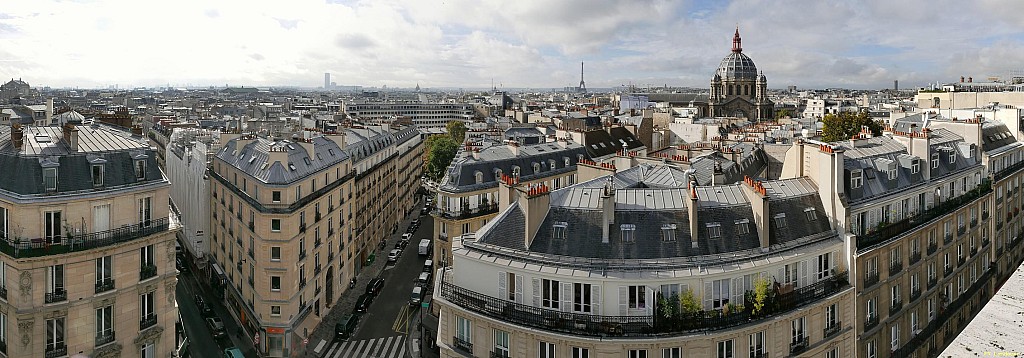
688	303
442	151
845	125
783	113
456	130
761	293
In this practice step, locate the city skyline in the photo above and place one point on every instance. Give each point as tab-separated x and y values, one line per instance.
533	44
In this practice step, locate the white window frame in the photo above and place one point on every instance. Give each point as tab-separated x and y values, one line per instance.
856	179
637	353
501	340
714	230
546	350
637	297
742	226
550	293
580	352
464	329
628	232
725	349
672	352
582	301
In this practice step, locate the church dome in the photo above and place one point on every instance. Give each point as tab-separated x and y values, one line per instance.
737	66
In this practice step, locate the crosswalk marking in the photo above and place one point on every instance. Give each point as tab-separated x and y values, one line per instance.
382	347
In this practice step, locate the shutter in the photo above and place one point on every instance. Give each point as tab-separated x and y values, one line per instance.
835	261
519	289
782	275
595	299
623	300
708	289
566	297
803	273
536	292
649	308
502	285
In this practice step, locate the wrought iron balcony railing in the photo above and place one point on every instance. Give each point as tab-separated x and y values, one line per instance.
104	338
59	295
104	285
148	321
870	279
147	271
69	242
870	322
909	224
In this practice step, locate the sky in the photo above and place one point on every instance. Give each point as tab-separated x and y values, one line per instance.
512	44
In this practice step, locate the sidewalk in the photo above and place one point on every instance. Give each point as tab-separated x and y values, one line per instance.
347	301
420	345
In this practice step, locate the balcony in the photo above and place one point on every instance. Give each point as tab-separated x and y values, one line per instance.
895	307
57	350
922	339
871	322
932	247
3	292
29	247
499	354
146	272
870	279
252	226
915	293
147	322
104	338
798	346
302	227
462	345
915	257
466	212
59	295
832	329
895	268
909	224
104	285
932	281
658	324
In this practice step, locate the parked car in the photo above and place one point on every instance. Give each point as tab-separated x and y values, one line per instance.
424	279
417	296
233	353
216	326
180	265
393	255
400	245
343	330
363	303
374	286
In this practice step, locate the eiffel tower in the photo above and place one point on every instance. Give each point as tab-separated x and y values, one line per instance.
583	85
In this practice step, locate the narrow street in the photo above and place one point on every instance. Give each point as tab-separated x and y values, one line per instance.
201	340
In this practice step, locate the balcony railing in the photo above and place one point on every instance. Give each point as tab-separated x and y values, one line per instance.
147	322
26	247
104	338
3	292
870	279
1007	171
895	268
302	283
960	261
252	226
871	322
798	346
316	270
895	307
831	330
302	255
985	242
316	217
974	222
909	224
915	257
932	281
104	285
922	339
499	354
56	296
467	213
948	270
147	271
914	294
961	230
57	350
462	345
658	324
932	248
948	239
984	215
302	227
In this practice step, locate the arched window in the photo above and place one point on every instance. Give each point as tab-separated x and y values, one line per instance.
479	177
536	167
730	90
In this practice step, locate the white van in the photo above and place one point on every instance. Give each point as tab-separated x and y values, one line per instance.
417	296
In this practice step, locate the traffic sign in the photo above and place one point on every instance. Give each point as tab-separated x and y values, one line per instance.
425	304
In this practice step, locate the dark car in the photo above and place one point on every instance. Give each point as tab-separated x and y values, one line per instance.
401	245
363	303
216	326
180	265
344	328
374	286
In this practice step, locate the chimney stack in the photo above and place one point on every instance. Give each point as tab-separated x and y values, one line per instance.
757	195
970	79
691	210
17	135
70	136
607	209
136	130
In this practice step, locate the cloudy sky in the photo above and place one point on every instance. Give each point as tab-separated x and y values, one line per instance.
517	44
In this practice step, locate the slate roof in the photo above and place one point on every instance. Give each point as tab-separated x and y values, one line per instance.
643	176
750	161
995	135
363	142
253	158
462	173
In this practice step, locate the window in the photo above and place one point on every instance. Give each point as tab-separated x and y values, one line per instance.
140	169
104	271
719	293
872	308
578	352
892	173
275	310
811	214
275	225
714	230
799	329
831	315
725	349
501	344
275	196
895	294
145	212
97	175
547	350
275	253
894	334
833	353
637	353
3	328
674	352
275	283
870	349
52	223
952	156
549	293
4	223
148	351
668	232
628	232
791	274
757	344
856	179
55	334
935	161
637	296
742	227
581	301
147	310
915	167
50	178
55	280
824	265
466	228
463	329
298	192
105	324
780	221
147	256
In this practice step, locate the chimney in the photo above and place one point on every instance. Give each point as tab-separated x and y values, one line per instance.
757	195
17	135
961	79
136	131
70	132
970	79
535	208
49	110
476	152
691	210
507	193
307	144
607	209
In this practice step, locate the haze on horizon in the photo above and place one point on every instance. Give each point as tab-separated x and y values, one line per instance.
528	44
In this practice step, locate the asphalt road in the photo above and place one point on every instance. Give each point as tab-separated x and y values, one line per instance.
390	313
201	340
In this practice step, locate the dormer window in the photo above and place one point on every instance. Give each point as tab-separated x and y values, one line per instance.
935	161
742	226
558	229
551	164
566	159
893	173
50	178
140	169
497	174
536	167
97	175
668	232
515	171
479	177
780	221
952	156
856	179
714	230
915	166
628	232
811	214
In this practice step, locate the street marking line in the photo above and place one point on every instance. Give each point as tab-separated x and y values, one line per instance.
399	343
401	352
320	347
359	348
385	345
399	320
341	349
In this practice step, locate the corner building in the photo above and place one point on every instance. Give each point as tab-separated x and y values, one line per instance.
86	244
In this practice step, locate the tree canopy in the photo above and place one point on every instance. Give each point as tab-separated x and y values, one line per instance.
847	124
456	130
440	149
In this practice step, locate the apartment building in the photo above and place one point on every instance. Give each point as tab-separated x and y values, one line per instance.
426	115
294	220
87	243
641	263
410	168
467	196
188	156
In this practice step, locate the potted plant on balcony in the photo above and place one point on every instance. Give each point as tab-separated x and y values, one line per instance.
689	308
762	295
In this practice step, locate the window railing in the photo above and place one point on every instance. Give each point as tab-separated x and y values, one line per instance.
961	230
960	261
302	255
932	248
870	279
909	224
3	292
985	242
895	307
148	321
316	270
462	345
915	257
833	329
871	322
56	350
499	354
915	293
799	345
658	324
147	271
104	338
948	239
932	281
302	283
999	175
895	268
948	270
466	213
302	227
56	296
26	247
252	226
104	285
